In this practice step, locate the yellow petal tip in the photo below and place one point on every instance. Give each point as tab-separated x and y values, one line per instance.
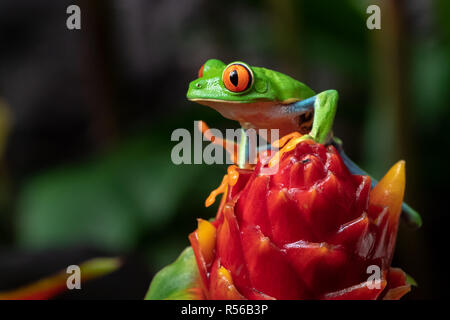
390	190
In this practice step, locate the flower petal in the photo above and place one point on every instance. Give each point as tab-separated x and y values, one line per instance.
206	235
229	248
251	207
287	223
398	286
362	291
390	190
268	268
222	287
322	267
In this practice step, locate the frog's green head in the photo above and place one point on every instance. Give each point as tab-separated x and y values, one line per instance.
237	82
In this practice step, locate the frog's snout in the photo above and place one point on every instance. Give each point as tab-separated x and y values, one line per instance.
198	84
194	87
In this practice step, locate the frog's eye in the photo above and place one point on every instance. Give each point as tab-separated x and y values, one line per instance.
200	71
237	77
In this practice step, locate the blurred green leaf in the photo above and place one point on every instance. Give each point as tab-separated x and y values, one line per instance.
55	284
178	281
110	202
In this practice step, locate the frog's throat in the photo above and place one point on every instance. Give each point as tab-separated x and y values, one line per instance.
263	114
206	100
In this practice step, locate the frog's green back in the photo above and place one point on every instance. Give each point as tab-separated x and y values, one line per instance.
283	87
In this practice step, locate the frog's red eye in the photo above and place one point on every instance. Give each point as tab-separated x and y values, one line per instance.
200	71
237	77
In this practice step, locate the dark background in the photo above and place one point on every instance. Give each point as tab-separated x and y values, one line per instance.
86	118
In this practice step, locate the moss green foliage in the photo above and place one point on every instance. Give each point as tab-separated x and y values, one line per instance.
177	281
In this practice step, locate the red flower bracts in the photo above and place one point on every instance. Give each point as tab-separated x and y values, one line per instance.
311	230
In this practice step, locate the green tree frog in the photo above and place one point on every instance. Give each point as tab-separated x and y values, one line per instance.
260	98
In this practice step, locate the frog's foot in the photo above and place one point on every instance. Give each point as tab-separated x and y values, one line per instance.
281	142
230	146
286	144
229	179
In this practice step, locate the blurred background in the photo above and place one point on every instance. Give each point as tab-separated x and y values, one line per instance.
86	118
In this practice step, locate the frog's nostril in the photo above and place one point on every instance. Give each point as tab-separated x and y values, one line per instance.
198	84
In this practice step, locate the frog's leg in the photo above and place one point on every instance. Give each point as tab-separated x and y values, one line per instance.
229	146
324	105
244	149
409	215
238	152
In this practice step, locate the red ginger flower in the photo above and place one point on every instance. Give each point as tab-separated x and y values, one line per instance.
309	231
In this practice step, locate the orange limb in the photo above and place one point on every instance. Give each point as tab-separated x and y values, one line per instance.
230	146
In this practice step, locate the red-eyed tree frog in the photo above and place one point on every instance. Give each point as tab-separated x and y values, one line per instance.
260	98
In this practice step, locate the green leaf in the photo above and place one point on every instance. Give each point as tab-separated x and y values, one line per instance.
110	202
178	281
410	280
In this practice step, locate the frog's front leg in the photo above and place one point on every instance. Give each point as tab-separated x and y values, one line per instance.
230	146
325	106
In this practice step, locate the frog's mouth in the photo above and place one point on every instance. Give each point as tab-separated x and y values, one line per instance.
264	114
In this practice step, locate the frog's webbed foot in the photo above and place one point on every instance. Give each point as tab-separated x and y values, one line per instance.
230	179
286	144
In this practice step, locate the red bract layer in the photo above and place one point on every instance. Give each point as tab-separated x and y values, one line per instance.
312	230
